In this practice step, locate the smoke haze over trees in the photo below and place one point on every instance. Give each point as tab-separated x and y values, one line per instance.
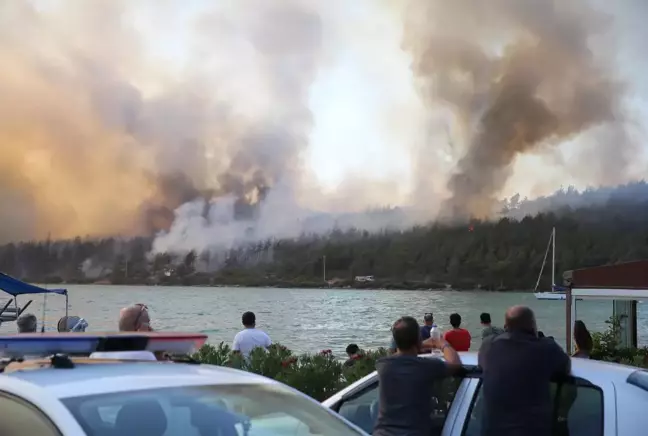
105	134
601	226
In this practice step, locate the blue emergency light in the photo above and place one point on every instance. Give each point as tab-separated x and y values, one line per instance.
45	344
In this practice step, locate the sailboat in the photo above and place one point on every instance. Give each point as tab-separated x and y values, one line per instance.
557	292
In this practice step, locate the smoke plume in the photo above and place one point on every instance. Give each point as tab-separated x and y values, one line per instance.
97	140
518	75
193	124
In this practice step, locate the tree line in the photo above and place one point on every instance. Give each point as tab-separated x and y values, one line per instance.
492	255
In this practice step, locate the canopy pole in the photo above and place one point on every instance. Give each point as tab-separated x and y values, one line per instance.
67	304
43	317
553	259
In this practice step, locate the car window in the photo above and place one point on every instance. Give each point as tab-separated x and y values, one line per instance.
362	407
577	405
20	418
220	410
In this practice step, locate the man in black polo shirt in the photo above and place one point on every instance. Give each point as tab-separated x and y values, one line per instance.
517	370
406	382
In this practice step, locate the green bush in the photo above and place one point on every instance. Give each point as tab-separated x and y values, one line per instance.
323	374
317	375
607	347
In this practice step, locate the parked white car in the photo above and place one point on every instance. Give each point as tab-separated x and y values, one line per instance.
65	396
608	400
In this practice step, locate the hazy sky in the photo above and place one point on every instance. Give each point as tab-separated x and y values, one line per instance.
331	103
364	100
365	106
352	94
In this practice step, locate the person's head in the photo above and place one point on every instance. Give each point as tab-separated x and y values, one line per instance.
455	320
520	319
352	349
407	335
27	323
248	319
135	318
428	318
582	337
485	319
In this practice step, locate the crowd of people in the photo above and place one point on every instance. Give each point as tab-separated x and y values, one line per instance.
517	361
132	318
459	338
136	318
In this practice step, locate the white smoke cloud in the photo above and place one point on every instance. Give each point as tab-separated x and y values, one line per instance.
125	117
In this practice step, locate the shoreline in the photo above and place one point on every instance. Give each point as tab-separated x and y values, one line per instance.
369	286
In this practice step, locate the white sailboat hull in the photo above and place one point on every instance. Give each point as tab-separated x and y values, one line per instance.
550	295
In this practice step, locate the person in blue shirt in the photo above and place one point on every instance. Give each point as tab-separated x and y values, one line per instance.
428	319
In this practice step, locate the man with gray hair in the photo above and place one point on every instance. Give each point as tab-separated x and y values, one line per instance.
27	323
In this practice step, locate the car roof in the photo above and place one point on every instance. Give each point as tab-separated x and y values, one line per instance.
610	371
107	377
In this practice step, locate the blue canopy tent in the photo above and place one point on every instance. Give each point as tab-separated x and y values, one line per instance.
15	287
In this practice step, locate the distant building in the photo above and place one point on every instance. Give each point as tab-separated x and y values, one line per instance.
364	278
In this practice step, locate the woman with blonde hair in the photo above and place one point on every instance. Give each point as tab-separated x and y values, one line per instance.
135	318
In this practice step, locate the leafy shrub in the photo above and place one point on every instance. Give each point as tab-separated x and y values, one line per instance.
317	375
607	347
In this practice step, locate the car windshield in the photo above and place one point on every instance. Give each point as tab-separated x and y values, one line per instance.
214	410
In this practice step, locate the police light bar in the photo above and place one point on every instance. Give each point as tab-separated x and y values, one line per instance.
45	344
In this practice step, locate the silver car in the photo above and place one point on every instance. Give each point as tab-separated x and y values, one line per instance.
110	398
599	399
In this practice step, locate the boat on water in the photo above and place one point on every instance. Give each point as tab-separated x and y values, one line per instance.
557	292
11	310
553	295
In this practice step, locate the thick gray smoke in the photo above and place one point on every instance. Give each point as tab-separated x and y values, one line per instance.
97	140
205	146
518	75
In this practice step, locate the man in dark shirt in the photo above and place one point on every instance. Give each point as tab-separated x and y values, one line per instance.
406	382
517	370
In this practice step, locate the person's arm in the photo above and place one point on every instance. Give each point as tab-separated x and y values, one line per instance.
452	359
236	345
268	341
392	347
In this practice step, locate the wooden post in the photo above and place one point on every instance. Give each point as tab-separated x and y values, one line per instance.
568	319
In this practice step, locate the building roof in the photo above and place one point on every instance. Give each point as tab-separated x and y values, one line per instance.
627	275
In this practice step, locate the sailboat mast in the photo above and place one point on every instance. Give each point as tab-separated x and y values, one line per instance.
553	258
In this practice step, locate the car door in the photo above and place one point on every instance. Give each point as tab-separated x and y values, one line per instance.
29	410
359	404
20	418
582	407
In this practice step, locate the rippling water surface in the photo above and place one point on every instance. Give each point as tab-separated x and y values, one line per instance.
310	319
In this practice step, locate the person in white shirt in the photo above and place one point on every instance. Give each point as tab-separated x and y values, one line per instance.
250	338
